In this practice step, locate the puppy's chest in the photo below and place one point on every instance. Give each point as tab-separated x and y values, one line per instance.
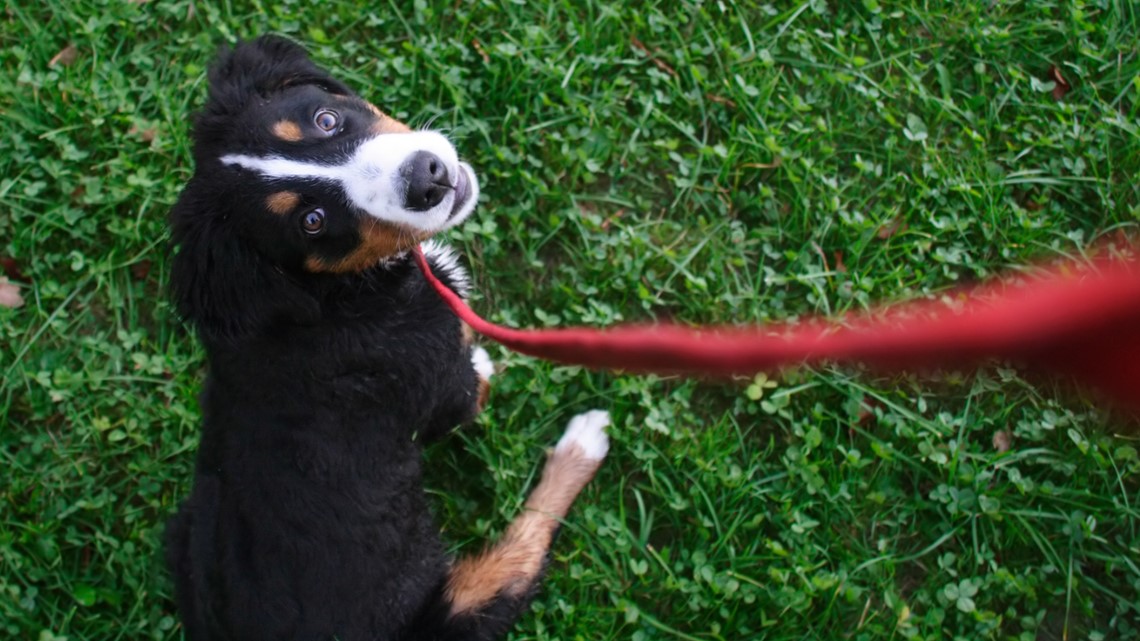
414	356
340	397
403	370
384	356
416	336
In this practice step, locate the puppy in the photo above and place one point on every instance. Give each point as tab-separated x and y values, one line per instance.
331	364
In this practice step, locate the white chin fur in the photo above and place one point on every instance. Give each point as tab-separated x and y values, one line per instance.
371	178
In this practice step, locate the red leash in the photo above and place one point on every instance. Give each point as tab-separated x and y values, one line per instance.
1072	320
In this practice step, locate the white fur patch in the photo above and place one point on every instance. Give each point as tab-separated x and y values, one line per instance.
482	363
371	178
587	431
446	261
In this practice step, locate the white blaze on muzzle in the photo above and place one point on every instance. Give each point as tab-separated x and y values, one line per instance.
372	180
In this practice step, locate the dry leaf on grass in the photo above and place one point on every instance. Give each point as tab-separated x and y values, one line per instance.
11	269
65	57
481	51
1002	441
721	100
892	227
145	135
141	269
840	266
1061	86
10	295
652	56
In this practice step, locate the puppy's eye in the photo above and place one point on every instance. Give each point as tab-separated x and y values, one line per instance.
314	222
327	121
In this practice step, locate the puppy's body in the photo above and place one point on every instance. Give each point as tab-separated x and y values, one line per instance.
307	503
331	363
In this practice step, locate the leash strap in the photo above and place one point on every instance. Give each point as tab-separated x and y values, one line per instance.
1074	320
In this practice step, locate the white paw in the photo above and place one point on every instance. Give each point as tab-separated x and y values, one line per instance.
587	431
481	361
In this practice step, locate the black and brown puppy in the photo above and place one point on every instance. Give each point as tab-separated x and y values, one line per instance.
331	363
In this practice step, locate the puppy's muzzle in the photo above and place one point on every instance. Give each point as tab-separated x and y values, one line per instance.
427	179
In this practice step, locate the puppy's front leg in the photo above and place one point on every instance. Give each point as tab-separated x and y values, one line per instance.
485	369
486	593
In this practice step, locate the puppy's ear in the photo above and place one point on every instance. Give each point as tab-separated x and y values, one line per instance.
258	68
223	285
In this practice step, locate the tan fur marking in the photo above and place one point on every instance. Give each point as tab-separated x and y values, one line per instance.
484	394
378	240
288	131
283	202
466	334
566	473
513	564
386	124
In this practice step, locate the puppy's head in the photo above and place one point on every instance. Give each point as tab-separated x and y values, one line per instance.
296	175
334	182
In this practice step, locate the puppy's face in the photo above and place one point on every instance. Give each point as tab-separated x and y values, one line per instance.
321	179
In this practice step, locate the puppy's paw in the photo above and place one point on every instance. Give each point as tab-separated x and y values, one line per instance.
587	432
573	463
482	363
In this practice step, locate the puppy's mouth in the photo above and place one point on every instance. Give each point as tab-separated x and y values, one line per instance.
462	189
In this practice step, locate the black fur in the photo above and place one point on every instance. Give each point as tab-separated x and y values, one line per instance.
307	519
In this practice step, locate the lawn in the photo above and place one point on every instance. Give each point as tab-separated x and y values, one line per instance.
717	161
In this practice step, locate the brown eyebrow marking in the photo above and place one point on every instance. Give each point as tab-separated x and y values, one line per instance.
386	124
288	131
282	202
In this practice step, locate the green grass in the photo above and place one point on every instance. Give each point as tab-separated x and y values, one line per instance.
704	161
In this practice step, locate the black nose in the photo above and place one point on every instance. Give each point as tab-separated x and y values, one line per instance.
427	181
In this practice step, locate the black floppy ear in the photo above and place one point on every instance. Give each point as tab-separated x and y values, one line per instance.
222	285
258	68
247	74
